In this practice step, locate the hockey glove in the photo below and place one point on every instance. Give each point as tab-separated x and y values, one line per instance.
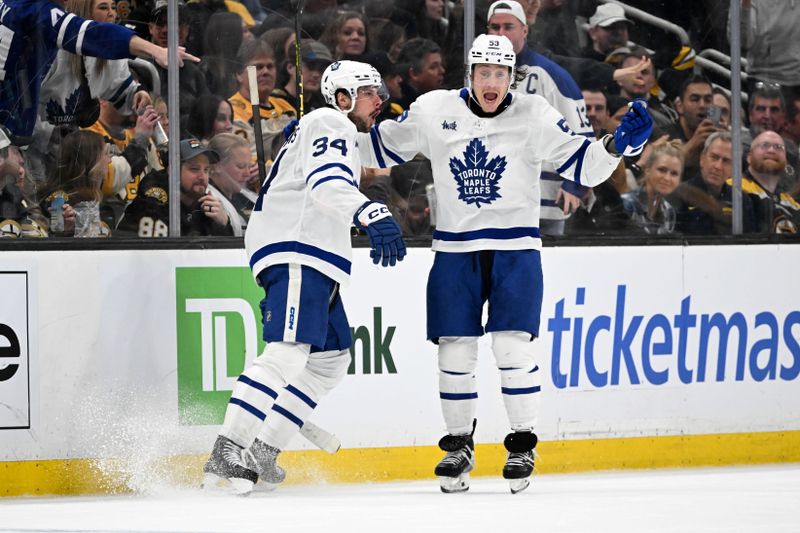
385	237
634	130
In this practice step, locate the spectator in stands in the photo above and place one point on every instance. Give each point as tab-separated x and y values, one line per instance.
191	81
392	75
74	195
275	112
704	203
538	75
431	22
223	39
648	207
721	99
422	59
280	40
233	176
386	36
597	111
314	59
210	116
20	215
608	31
555	28
201	11
645	87
776	211
766	111
694	126
201	213
346	36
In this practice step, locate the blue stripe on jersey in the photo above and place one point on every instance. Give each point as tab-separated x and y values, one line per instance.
578	155
120	91
327	166
393	156
488	233
458	395
302	395
376	147
550	176
514	391
582	150
330	178
549	203
449	373
247	407
272	173
278	409
306	249
589	134
564	81
258	386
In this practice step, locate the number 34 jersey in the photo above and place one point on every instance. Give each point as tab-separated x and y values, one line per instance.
486	170
306	204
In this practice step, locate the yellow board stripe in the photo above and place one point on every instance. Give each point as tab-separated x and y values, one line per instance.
359	465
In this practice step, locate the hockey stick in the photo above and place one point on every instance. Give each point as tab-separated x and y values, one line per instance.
320	438
254	102
298	64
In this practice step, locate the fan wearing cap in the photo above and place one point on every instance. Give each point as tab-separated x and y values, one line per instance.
608	31
202	212
314	59
487	146
299	249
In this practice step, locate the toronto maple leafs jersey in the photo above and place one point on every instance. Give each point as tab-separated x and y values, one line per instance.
31	32
306	205
554	84
486	170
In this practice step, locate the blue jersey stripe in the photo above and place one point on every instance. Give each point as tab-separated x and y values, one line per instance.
578	154
249	408
306	249
278	409
121	90
329	166
272	173
373	136
393	156
458	395
548	203
330	178
579	166
455	373
258	386
514	391
302	395
488	233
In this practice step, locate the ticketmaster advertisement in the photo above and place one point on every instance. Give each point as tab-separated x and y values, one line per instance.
144	347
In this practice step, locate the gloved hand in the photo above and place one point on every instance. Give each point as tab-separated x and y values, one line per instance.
384	234
290	127
634	130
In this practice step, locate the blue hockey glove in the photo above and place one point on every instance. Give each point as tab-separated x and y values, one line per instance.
634	130
384	234
290	127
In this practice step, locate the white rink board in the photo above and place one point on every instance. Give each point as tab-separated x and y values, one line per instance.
104	369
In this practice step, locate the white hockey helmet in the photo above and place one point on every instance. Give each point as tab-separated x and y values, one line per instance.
348	76
492	50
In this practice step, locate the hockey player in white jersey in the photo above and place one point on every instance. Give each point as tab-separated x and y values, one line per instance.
486	147
298	244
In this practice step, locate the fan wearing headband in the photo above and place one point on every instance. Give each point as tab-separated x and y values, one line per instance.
487	146
299	249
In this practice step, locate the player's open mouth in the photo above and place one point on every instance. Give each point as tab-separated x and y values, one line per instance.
490	97
374	114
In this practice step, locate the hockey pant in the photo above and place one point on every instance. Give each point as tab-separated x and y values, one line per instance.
520	380
274	397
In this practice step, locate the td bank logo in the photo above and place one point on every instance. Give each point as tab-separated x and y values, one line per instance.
219	335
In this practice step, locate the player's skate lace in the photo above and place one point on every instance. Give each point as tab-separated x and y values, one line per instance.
520	461
262	458
226	461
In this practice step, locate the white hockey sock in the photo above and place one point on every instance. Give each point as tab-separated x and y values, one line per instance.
258	386
298	399
520	377
458	357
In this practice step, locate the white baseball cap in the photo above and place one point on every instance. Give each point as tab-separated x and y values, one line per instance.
508	7
608	14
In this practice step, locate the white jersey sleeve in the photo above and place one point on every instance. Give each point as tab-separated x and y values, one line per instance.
393	142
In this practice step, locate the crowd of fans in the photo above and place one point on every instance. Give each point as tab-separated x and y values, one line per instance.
95	164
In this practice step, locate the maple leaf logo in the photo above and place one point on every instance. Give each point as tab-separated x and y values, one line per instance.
477	179
58	115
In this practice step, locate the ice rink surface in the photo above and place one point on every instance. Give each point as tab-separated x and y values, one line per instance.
751	499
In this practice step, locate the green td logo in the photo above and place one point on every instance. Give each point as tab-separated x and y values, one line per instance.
219	335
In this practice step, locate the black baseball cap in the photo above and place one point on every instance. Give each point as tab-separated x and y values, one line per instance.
192	148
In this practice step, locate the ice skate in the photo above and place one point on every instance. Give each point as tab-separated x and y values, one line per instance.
454	469
519	463
225	469
261	458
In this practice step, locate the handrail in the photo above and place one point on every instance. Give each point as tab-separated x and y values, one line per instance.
151	69
716	67
718	56
644	16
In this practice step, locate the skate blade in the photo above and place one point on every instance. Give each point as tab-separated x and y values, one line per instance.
263	486
215	483
518	485
451	485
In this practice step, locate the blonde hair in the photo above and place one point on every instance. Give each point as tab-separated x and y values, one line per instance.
84	9
225	143
673	148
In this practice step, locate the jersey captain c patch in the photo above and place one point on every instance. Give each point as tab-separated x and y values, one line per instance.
477	176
